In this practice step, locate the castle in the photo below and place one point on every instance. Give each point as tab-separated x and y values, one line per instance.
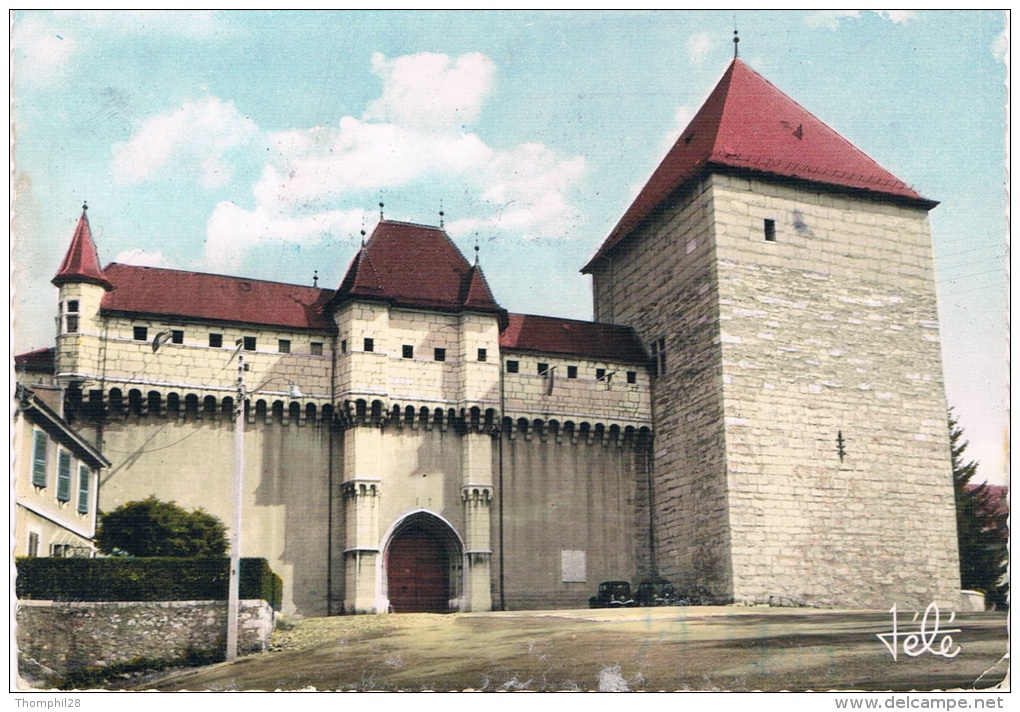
757	410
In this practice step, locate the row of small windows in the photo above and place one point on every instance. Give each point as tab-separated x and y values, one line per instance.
141	333
40	472
407	350
601	374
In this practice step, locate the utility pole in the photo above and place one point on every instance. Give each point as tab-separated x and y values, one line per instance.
233	596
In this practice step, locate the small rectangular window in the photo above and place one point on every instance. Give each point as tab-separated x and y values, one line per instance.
284	346
33	544
71	316
249	343
83	489
316	348
512	366
571	371
215	341
770	230
407	351
600	374
482	355
369	344
631	376
141	333
177	336
39	458
542	369
63	476
440	354
343	346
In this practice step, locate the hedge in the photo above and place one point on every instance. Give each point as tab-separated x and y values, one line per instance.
143	579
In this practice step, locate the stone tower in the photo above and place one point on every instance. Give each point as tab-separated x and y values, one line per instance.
82	284
782	282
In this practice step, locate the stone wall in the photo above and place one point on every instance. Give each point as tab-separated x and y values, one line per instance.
801	440
65	637
830	345
663	283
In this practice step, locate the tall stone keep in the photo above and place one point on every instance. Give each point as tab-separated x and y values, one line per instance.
782	282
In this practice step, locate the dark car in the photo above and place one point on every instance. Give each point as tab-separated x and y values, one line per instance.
612	594
656	592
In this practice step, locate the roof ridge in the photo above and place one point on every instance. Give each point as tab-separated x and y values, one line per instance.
217	275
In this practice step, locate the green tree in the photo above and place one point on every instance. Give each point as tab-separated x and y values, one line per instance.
153	528
981	526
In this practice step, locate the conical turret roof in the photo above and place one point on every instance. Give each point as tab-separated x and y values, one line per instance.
748	124
81	263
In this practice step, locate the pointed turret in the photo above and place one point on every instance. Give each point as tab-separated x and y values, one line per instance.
749	125
81	263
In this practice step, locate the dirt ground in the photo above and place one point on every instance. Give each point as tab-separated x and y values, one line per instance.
698	648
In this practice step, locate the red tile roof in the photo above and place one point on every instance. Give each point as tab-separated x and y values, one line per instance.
747	123
38	360
81	263
416	266
546	334
152	291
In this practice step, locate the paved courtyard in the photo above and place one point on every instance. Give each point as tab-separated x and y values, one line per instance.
698	648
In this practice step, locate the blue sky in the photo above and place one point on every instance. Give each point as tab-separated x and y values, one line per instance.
260	143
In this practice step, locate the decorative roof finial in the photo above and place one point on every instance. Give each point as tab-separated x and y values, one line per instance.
381	210
315	279
441	215
85	206
476	254
736	40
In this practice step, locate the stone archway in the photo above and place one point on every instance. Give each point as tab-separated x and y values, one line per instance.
423	566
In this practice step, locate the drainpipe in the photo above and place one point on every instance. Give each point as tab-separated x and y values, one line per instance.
502	410
329	483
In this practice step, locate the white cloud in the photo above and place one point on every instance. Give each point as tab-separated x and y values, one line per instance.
232	231
44	42
431	89
41	54
142	258
698	47
1000	47
195	138
832	18
413	135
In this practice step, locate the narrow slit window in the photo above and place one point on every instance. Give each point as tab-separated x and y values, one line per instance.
513	366
482	354
249	343
631	376
571	371
141	333
408	351
343	346
440	354
177	336
369	344
215	341
770	230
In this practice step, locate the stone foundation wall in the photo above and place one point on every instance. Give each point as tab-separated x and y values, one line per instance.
68	636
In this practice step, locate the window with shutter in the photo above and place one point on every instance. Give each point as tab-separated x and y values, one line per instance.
63	476
39	459
83	489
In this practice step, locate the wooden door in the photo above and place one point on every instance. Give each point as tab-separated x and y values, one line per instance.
418	572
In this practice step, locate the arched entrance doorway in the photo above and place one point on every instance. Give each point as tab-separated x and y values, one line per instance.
423	566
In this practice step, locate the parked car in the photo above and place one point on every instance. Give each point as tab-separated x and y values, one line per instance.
612	594
656	592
